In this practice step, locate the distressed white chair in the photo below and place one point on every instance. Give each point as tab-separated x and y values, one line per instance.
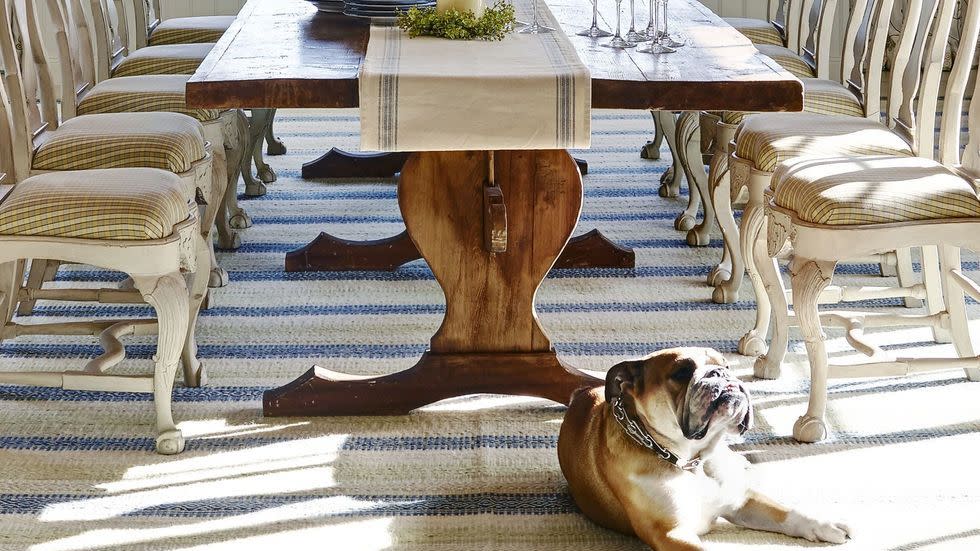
842	207
227	130
134	220
190	30
765	140
43	141
864	40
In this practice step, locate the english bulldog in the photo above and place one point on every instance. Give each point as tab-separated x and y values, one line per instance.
648	455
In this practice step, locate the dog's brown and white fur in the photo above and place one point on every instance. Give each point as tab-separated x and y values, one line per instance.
690	403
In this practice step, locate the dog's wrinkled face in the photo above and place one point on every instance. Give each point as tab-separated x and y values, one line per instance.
689	391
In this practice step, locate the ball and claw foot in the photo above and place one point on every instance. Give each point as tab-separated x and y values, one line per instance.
762	369
218	277
684	222
809	429
667	188
240	220
697	239
650	151
266	174
230	242
751	344
724	294
718	275
170	442
256	189
275	147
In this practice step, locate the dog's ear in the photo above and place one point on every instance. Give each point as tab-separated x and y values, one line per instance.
747	421
623	375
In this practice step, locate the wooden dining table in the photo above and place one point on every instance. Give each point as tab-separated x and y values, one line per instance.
490	224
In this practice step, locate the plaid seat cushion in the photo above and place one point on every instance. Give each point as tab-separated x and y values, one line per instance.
142	94
170	59
168	141
759	31
767	139
787	59
191	30
847	191
820	96
117	204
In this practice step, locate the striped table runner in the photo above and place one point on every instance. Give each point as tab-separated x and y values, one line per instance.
429	94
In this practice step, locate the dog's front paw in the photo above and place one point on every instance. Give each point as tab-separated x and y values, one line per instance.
819	530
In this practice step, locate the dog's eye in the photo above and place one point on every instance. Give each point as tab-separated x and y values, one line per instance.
683	374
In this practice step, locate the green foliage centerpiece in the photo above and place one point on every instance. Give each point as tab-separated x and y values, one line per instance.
494	24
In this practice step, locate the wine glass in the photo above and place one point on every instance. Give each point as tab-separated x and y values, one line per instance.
535	27
618	41
594	31
656	46
633	35
666	39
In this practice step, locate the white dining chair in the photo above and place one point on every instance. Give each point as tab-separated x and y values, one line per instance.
833	208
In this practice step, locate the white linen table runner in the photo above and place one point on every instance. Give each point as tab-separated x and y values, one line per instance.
528	91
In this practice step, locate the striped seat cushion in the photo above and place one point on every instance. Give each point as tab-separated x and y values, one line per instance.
171	59
787	59
820	96
848	191
767	139
117	204
759	31
142	94
168	141
191	30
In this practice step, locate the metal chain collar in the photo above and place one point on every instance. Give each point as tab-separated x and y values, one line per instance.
640	435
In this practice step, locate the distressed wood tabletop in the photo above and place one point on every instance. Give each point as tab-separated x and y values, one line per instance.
283	53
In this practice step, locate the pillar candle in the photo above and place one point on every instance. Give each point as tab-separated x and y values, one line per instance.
475	6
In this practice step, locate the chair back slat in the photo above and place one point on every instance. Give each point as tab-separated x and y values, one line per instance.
29	100
922	118
110	36
816	32
71	37
951	124
147	16
866	75
906	66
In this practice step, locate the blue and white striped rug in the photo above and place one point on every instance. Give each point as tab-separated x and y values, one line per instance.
77	469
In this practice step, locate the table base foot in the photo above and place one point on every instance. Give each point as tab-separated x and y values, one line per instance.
338	163
327	253
321	392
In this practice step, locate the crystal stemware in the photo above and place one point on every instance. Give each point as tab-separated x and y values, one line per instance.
617	40
666	39
656	46
535	27
634	35
594	31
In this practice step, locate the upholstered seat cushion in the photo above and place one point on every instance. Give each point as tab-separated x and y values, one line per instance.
171	59
117	204
142	94
768	139
820	96
169	141
191	30
787	59
759	31
847	191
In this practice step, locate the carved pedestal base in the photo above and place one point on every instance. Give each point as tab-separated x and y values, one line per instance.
490	339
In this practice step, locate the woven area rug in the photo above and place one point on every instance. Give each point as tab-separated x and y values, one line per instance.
77	470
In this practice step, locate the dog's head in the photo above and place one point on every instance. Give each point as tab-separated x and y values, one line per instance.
686	392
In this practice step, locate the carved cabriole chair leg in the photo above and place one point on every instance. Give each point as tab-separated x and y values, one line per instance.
257	124
723	275
689	151
194	373
670	181
768	365
651	149
168	296
809	278
753	229
238	127
273	145
11	276
906	274
687	219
